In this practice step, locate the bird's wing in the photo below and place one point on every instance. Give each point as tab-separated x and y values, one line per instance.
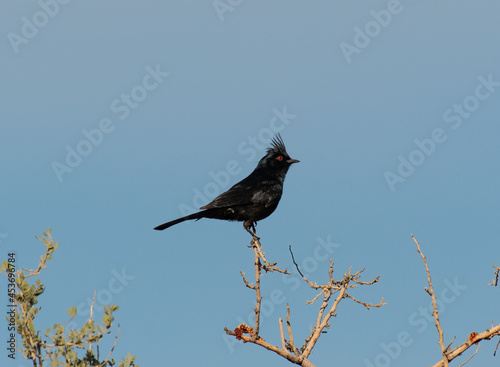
232	197
242	195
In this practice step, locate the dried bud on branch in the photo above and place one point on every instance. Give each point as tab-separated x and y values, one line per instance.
243	329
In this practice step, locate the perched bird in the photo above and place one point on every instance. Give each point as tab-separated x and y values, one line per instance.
252	199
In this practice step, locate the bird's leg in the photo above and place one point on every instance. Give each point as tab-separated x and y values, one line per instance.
255	243
249	226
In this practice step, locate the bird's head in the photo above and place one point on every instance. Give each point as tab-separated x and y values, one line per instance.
277	159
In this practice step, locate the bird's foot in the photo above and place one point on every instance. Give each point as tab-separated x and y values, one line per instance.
250	228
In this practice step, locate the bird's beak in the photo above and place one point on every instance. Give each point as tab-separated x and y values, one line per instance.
293	161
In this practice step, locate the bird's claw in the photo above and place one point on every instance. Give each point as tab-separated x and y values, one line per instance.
250	228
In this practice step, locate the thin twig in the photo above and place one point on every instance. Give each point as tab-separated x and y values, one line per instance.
449	345
468	359
289	329
90	317
311	284
434	305
293	259
495	279
247	283
310	302
282	334
267	266
112	348
367	305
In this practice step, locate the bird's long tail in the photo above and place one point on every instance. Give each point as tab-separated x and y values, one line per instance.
163	226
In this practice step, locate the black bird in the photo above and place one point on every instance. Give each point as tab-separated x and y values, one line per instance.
252	199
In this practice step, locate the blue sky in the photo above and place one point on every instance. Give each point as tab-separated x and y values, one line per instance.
118	116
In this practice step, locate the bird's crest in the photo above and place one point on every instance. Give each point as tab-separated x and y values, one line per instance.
277	145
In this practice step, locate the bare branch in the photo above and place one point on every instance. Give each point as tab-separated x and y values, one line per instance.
282	334
311	284
267	266
288	349
247	283
293	259
364	283
320	326
367	305
495	279
434	305
257	265
289	329
474	338
264	344
310	302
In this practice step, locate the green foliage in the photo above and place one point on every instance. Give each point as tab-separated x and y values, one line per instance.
60	346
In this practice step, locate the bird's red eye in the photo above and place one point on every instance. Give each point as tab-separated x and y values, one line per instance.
279	158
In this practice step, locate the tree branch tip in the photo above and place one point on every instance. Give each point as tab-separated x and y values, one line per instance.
496	276
496	348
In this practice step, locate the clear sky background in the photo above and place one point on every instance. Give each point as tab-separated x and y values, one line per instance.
117	116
